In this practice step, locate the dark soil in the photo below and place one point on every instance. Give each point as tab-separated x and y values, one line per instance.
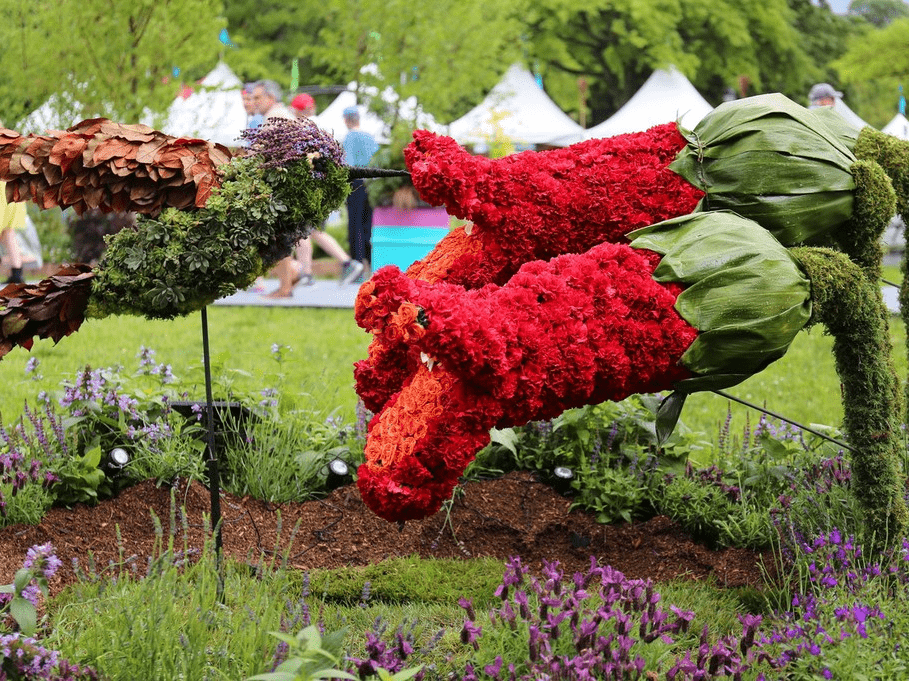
512	515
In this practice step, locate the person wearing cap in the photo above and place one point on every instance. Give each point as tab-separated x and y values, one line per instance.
359	148
303	105
823	94
267	98
298	270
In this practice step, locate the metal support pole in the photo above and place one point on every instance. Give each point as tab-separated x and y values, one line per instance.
214	477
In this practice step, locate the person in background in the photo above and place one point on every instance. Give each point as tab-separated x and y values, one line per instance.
359	148
253	117
822	94
298	270
12	218
267	98
303	105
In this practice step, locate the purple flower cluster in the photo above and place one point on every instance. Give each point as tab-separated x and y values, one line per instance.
17	467
713	476
297	617
392	657
595	626
31	367
784	432
25	658
729	656
812	503
96	393
840	600
42	563
281	141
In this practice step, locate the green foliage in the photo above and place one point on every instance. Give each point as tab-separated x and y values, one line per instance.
879	13
99	58
876	56
609	447
284	458
616	47
429	50
183	260
852	310
21	609
80	479
412	579
268	38
310	657
183	629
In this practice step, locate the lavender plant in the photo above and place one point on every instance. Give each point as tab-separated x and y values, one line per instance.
598	625
848	613
22	657
24	478
25	659
278	145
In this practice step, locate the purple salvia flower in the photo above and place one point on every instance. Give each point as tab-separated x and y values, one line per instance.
282	141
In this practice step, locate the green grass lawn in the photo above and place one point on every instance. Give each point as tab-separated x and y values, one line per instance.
324	344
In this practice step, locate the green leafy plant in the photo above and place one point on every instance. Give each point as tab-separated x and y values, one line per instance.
80	479
310	657
611	494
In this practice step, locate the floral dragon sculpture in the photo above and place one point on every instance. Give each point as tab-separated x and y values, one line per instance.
665	260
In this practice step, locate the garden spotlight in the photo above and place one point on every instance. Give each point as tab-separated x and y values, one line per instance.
561	479
338	474
114	463
117	458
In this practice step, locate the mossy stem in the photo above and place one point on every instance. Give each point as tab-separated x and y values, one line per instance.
852	310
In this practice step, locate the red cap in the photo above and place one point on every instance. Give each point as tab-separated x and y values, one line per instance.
303	101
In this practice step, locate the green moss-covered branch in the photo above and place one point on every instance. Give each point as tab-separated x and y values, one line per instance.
872	209
852	309
183	260
892	154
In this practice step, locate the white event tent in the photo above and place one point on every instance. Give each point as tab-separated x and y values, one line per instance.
851	117
518	108
213	111
898	127
57	113
666	96
331	119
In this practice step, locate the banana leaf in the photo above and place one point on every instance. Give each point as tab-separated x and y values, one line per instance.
772	161
744	293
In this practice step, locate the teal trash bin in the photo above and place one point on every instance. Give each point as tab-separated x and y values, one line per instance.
401	237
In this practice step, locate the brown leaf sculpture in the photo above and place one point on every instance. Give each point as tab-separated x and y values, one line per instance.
110	166
52	308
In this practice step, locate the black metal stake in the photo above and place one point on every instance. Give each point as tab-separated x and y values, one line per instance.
214	478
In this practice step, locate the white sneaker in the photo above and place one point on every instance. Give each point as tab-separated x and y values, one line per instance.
352	270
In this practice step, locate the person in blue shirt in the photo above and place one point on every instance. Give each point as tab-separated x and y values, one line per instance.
359	148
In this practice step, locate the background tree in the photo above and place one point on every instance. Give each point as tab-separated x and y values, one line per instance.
879	13
615	46
874	65
269	36
824	36
448	52
115	59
